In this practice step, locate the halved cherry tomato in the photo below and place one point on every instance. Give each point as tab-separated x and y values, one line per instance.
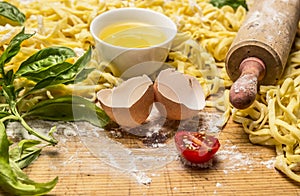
196	147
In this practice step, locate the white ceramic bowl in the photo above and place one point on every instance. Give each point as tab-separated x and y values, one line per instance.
134	61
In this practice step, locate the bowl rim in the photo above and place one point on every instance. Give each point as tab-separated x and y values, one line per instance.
130	9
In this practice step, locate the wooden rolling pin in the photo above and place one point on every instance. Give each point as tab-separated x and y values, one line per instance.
260	50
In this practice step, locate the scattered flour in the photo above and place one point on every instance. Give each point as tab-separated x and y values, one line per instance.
141	177
269	164
230	159
134	161
233	160
218	185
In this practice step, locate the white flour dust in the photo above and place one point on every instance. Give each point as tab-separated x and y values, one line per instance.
269	163
137	162
231	160
134	161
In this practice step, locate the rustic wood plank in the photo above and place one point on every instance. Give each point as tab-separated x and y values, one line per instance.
241	169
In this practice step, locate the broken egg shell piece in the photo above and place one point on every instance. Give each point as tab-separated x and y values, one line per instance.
129	104
181	95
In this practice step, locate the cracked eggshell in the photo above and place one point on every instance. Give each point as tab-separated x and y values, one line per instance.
180	96
129	104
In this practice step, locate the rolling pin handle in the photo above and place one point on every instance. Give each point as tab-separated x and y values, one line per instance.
243	91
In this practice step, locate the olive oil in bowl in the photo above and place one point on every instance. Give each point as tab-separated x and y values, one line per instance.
132	35
135	41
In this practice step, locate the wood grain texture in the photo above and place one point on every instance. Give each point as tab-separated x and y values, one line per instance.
240	169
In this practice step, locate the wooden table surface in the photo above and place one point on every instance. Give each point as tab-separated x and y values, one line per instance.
241	168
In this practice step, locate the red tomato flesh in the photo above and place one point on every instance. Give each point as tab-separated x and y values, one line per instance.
196	147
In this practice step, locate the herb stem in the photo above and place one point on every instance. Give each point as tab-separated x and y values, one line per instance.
33	132
4	105
10	117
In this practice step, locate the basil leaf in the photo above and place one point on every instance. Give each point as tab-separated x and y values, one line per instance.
9	94
48	73
12	179
80	76
10	77
232	3
25	152
12	49
21	184
69	108
82	61
4	145
44	60
12	13
67	76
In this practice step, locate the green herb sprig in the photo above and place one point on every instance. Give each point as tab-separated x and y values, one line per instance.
46	68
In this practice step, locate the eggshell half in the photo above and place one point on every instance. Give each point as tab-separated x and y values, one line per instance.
181	96
129	104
